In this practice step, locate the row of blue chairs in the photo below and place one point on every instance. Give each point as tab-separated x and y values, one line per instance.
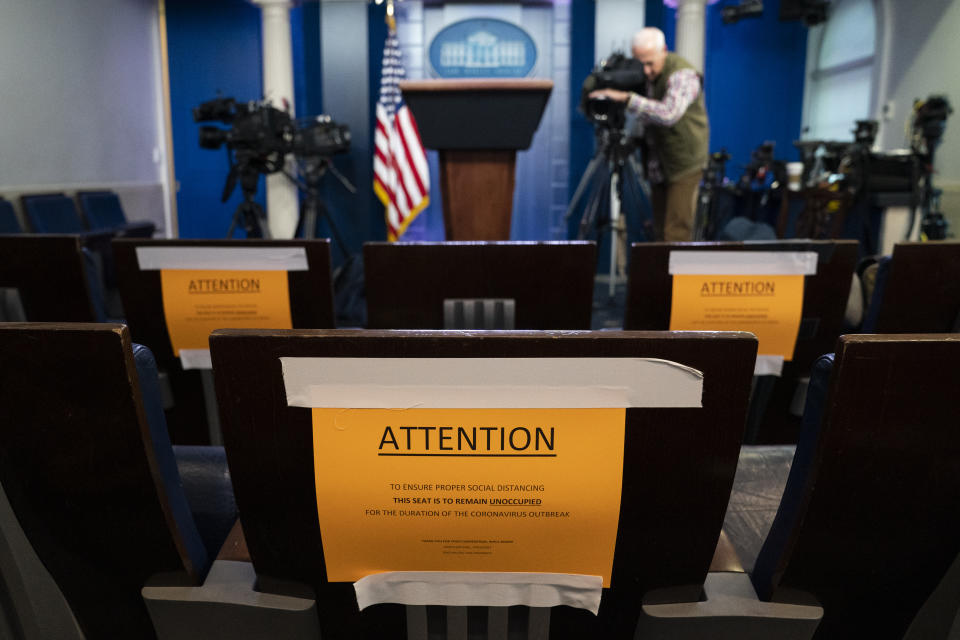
99	211
861	545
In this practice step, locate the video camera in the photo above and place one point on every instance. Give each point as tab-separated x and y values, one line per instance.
261	135
615	72
262	128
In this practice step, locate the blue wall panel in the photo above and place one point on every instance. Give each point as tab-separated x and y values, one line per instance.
214	46
754	84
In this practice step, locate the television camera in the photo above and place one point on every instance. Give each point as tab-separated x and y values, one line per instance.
258	140
618	71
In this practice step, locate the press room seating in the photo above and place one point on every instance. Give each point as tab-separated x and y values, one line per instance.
87	466
671	507
868	523
311	306
103	212
649	292
916	290
55	276
867	527
479	285
52	213
8	218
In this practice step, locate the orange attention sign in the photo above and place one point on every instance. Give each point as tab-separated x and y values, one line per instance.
527	490
197	302
769	306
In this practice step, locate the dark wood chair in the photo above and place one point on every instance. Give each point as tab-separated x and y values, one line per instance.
90	478
311	306
55	279
918	291
649	294
868	524
678	466
547	285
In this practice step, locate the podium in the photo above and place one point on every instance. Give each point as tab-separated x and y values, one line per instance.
477	125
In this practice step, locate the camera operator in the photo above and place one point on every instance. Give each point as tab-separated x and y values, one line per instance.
678	132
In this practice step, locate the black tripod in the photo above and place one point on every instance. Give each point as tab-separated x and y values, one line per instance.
705	220
248	214
312	208
613	168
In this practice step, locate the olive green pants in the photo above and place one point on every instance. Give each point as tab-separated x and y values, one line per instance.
674	206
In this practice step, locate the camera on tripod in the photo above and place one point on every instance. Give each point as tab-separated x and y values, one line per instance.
258	140
268	132
615	72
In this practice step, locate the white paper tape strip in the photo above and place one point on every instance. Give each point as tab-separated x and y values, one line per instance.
195	359
468	589
479	383
743	263
223	258
768	366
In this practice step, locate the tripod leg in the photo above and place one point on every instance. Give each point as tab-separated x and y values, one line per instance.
584	181
615	235
233	225
590	221
334	231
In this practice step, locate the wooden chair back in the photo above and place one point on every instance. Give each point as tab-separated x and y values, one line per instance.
677	474
93	486
868	522
550	283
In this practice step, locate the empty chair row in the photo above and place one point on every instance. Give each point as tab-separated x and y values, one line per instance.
58	213
625	493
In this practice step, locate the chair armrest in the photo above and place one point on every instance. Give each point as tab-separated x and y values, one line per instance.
228	606
730	610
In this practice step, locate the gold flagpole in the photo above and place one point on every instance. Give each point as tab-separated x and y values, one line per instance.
391	18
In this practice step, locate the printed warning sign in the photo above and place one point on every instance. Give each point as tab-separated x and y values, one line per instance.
197	302
768	306
528	490
760	292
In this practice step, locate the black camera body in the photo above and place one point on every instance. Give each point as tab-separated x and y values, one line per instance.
321	136
615	72
260	130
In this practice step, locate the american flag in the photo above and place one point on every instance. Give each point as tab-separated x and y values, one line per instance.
401	178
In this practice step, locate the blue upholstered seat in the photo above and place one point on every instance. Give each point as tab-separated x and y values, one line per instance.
52	213
8	218
876	298
103	212
782	527
205	507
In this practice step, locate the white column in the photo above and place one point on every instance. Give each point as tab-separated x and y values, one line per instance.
282	202
691	32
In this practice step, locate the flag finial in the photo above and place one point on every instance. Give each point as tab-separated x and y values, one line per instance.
391	18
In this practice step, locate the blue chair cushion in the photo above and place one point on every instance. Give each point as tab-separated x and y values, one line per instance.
8	218
206	483
166	463
766	571
53	213
102	209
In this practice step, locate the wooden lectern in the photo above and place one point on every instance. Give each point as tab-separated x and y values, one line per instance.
477	126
